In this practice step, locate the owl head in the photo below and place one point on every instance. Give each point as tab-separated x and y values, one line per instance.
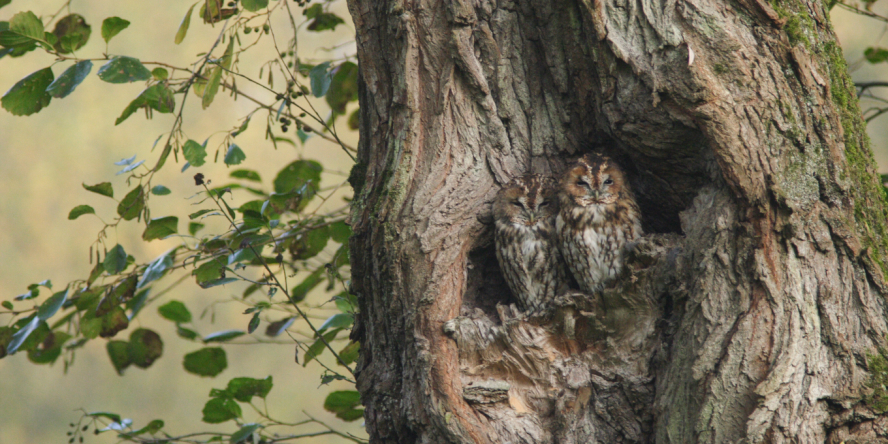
593	180
527	201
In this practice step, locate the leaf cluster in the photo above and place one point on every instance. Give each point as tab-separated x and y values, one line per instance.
274	233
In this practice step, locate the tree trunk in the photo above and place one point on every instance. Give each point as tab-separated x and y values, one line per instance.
754	309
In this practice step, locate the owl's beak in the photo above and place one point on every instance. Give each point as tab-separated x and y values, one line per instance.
595	194
532	218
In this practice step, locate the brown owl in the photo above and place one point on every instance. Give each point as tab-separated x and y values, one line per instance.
598	216
524	213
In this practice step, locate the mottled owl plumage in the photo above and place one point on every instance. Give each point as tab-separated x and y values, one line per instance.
597	218
524	212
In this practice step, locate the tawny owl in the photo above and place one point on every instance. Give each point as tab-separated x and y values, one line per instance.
597	217
524	213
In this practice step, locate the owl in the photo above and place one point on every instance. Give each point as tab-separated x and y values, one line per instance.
524	212
597	217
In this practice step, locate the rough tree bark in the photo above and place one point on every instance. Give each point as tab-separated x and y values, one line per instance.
747	313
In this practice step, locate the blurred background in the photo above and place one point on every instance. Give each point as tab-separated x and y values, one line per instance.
44	158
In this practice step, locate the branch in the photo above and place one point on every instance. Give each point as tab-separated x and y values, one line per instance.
863	12
863	86
278	283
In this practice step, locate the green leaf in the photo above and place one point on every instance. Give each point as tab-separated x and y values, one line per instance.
343	404
244	389
186	333
26	26
297	174
50	349
349	354
875	55
117	351
10	39
160	190
28	95
311	243
208	361
113	322
343	87
235	155
90	327
320	78
302	135
243	126
80	210
254	323
339	320
213	12
155	270
223	336
124	69
246	175
325	21
227	58
313	11
135	304
242	255
7	305
152	428
254	5
115	260
219	410
103	188
71	33
354	120
160	73
340	232
318	346
4	3
345	302
19	337
112	416
194	227
214	77
276	327
194	153
218	282
200	213
130	167
158	97
183	28
247	430
175	311
300	291
128	161
210	270
73	76
5	337
132	204
52	305
145	347
112	26
161	227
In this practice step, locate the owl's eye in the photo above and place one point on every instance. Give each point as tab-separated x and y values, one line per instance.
582	183
517	204
545	203
609	182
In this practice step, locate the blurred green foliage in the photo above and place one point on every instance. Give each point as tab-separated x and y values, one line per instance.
265	236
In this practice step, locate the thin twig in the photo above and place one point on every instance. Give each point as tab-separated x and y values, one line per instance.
279	285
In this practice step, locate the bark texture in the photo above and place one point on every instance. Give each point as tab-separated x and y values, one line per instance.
747	314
